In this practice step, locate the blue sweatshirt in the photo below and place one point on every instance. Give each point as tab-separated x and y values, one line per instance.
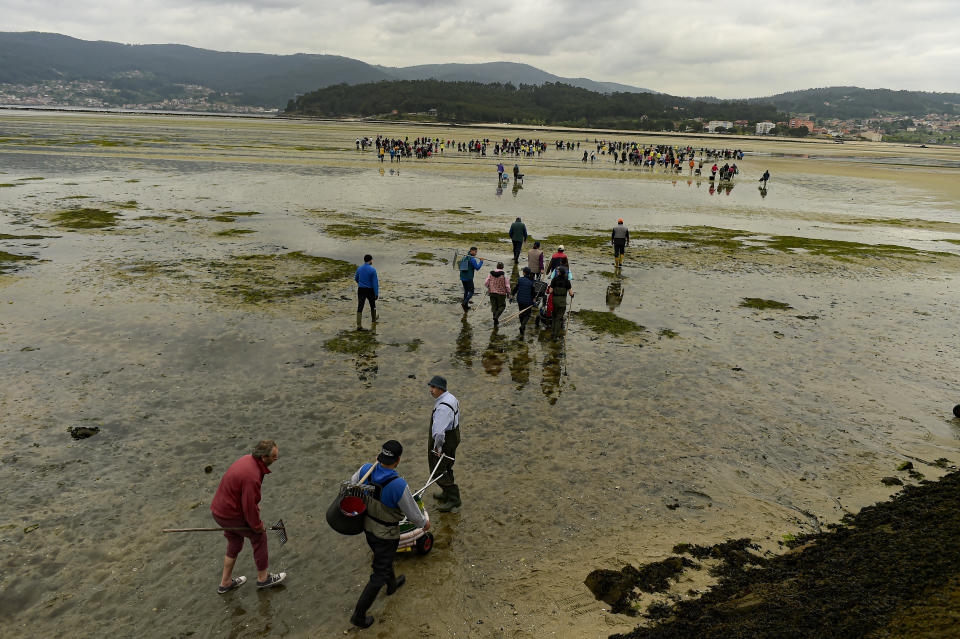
473	264
366	277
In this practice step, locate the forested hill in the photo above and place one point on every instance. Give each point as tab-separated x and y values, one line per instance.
155	69
548	104
853	102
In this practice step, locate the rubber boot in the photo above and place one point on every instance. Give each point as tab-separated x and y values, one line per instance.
373	314
360	617
359	319
399	581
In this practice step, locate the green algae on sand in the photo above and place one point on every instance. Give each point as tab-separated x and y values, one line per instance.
6	260
607	322
86	218
233	232
761	304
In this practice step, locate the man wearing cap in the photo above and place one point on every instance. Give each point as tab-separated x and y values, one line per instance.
555	259
469	264
387	504
444	439
620	238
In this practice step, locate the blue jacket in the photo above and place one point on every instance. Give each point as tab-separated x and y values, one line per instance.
392	492
366	277
473	264
524	292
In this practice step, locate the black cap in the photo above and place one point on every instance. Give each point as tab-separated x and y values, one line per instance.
438	382
390	453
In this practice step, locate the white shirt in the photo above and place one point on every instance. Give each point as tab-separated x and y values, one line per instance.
444	417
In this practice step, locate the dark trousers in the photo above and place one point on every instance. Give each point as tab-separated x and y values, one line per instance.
467	291
366	294
451	492
517	247
235	540
618	248
498	303
524	314
384	551
557	317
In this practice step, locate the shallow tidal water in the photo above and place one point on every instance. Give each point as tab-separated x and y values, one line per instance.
191	324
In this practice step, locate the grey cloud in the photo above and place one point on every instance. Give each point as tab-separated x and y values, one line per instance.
745	49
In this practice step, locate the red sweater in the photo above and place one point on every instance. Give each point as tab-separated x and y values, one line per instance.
238	496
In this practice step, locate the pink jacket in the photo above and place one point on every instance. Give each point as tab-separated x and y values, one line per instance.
498	283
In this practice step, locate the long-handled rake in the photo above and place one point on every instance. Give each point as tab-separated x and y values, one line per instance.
278	528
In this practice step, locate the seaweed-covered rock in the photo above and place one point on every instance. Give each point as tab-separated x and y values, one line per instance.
83	432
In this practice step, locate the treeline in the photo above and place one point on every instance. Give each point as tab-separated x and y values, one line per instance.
548	104
847	103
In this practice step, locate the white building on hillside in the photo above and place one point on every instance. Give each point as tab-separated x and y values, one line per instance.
713	125
763	128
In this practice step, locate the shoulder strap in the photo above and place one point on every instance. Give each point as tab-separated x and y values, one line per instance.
450	406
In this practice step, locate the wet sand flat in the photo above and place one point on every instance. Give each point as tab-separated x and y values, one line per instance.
191	292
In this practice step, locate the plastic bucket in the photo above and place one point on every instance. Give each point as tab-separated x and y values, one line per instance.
346	515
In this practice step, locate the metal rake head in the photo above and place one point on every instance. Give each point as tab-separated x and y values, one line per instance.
280	530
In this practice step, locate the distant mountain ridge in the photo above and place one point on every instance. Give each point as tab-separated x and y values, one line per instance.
251	78
140	74
513	72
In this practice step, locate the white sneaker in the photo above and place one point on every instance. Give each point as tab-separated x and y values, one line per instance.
272	580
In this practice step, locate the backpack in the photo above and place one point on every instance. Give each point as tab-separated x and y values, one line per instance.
465	263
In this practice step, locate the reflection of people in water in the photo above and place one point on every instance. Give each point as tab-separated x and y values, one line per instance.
763	192
520	366
551	382
494	356
464	350
366	362
614	295
516	188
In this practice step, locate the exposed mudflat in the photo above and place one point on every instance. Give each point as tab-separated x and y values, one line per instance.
760	363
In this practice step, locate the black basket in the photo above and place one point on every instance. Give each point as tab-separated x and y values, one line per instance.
347	512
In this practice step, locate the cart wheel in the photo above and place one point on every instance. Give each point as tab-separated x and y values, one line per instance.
425	544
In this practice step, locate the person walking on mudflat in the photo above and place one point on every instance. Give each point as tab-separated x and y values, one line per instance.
560	287
535	260
620	238
389	501
498	286
518	235
368	288
236	504
469	264
444	439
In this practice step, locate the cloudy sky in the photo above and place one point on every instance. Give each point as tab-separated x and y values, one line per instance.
726	48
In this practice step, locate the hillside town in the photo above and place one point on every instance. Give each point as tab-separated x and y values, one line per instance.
98	94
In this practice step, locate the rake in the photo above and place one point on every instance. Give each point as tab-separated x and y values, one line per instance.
278	528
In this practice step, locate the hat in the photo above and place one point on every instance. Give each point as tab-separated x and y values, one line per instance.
390	453
438	382
620	221
560	248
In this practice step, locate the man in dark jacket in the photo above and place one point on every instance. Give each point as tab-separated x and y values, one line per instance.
518	234
236	504
387	504
525	296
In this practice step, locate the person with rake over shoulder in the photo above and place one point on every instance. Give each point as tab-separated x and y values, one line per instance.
387	504
236	504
